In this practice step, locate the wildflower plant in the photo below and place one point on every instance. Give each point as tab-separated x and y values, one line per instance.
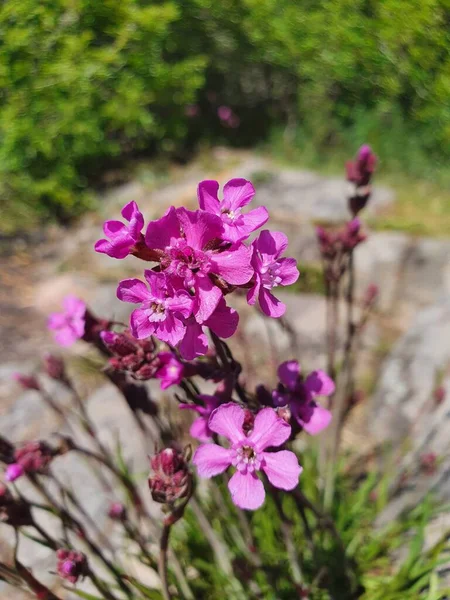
246	482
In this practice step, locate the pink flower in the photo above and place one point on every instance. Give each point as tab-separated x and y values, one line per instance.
191	252
69	326
171	370
300	395
248	454
237	193
13	472
271	271
162	308
117	511
200	429
122	237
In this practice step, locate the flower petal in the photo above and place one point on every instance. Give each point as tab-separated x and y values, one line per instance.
199	227
224	320
269	429
271	306
271	244
207	196
164	231
140	325
194	343
313	421
131	213
112	228
200	431
288	271
238	192
288	373
181	303
318	383
234	265
133	290
227	420
247	491
282	469
208	297
171	330
211	460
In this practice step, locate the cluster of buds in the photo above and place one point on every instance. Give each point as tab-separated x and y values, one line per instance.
71	565
359	173
337	245
171	478
141	358
15	512
33	457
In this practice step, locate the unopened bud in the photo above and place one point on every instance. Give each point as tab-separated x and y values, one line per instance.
54	367
117	512
171	478
28	382
71	565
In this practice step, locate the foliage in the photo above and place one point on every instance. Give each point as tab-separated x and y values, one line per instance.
86	82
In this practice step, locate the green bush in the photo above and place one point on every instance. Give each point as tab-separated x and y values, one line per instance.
84	83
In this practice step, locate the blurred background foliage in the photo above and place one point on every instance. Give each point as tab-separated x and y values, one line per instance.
86	84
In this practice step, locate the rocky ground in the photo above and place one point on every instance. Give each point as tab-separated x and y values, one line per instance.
405	351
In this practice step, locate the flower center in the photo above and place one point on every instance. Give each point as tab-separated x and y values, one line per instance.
184	261
270	275
246	458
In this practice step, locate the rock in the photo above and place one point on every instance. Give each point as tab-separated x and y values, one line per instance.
305	195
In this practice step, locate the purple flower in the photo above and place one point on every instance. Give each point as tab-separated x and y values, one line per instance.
162	307
271	271
13	472
191	253
299	394
248	454
171	370
122	237
200	429
69	326
237	193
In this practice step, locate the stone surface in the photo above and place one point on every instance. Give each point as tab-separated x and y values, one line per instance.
308	196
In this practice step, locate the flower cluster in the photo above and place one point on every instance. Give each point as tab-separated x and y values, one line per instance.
71	565
141	358
171	478
33	457
248	453
200	257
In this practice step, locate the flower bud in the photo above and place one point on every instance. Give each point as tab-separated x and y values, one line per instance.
171	477
439	394
117	512
71	565
54	366
13	472
28	382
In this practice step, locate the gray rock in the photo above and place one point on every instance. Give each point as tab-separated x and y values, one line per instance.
310	196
